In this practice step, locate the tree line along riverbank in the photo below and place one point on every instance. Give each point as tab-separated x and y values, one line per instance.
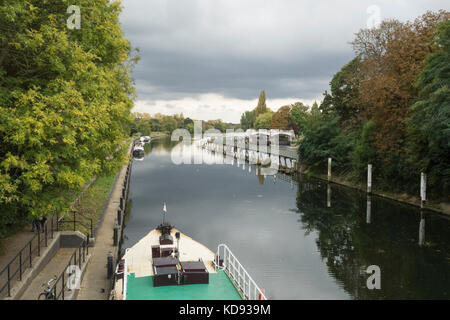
389	107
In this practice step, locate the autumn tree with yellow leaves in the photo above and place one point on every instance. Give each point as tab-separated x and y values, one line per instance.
65	101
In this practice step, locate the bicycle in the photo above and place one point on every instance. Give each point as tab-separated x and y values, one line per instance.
50	292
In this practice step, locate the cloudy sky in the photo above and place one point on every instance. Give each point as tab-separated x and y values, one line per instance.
210	58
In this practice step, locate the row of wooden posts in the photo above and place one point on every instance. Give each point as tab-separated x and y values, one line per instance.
423	182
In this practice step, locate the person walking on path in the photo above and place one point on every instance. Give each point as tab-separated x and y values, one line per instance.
37	223
42	222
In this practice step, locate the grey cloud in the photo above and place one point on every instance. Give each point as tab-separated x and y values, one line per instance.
165	75
290	48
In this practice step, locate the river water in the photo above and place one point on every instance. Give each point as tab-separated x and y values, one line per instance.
298	238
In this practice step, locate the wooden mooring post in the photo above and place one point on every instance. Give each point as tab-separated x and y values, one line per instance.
369	178
329	169
423	189
328	195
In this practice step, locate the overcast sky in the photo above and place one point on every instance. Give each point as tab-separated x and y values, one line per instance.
211	58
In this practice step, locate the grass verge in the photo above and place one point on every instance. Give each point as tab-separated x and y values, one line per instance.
90	204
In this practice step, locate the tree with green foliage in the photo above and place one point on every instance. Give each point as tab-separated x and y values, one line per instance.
248	120
261	108
65	101
343	99
429	124
365	152
155	125
299	115
323	138
169	124
263	121
389	107
143	127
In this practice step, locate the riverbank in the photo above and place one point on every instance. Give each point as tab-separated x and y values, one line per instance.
96	285
440	207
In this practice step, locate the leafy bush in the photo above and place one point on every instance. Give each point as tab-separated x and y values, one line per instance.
323	138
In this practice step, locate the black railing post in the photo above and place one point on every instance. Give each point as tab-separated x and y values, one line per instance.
57	222
92	231
51	233
9	282
39	243
109	264
79	257
74	222
46	234
30	252
20	265
119	217
116	234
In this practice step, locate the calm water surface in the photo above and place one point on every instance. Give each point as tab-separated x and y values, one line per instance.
299	239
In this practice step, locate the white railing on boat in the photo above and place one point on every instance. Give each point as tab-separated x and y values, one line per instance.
125	276
226	261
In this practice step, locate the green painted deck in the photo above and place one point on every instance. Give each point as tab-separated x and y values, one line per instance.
219	288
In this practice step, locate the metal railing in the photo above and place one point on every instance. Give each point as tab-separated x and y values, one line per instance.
247	287
280	150
88	225
15	269
78	257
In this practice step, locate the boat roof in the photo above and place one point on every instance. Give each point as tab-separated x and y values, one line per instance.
139	257
139	275
218	288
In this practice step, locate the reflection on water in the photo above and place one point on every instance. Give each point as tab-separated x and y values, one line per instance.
299	238
385	236
368	208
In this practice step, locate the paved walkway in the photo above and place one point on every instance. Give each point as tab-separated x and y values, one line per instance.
54	267
95	285
14	244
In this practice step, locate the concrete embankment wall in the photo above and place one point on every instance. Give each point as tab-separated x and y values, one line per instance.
62	239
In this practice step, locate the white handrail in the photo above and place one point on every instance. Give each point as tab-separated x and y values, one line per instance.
236	272
125	275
